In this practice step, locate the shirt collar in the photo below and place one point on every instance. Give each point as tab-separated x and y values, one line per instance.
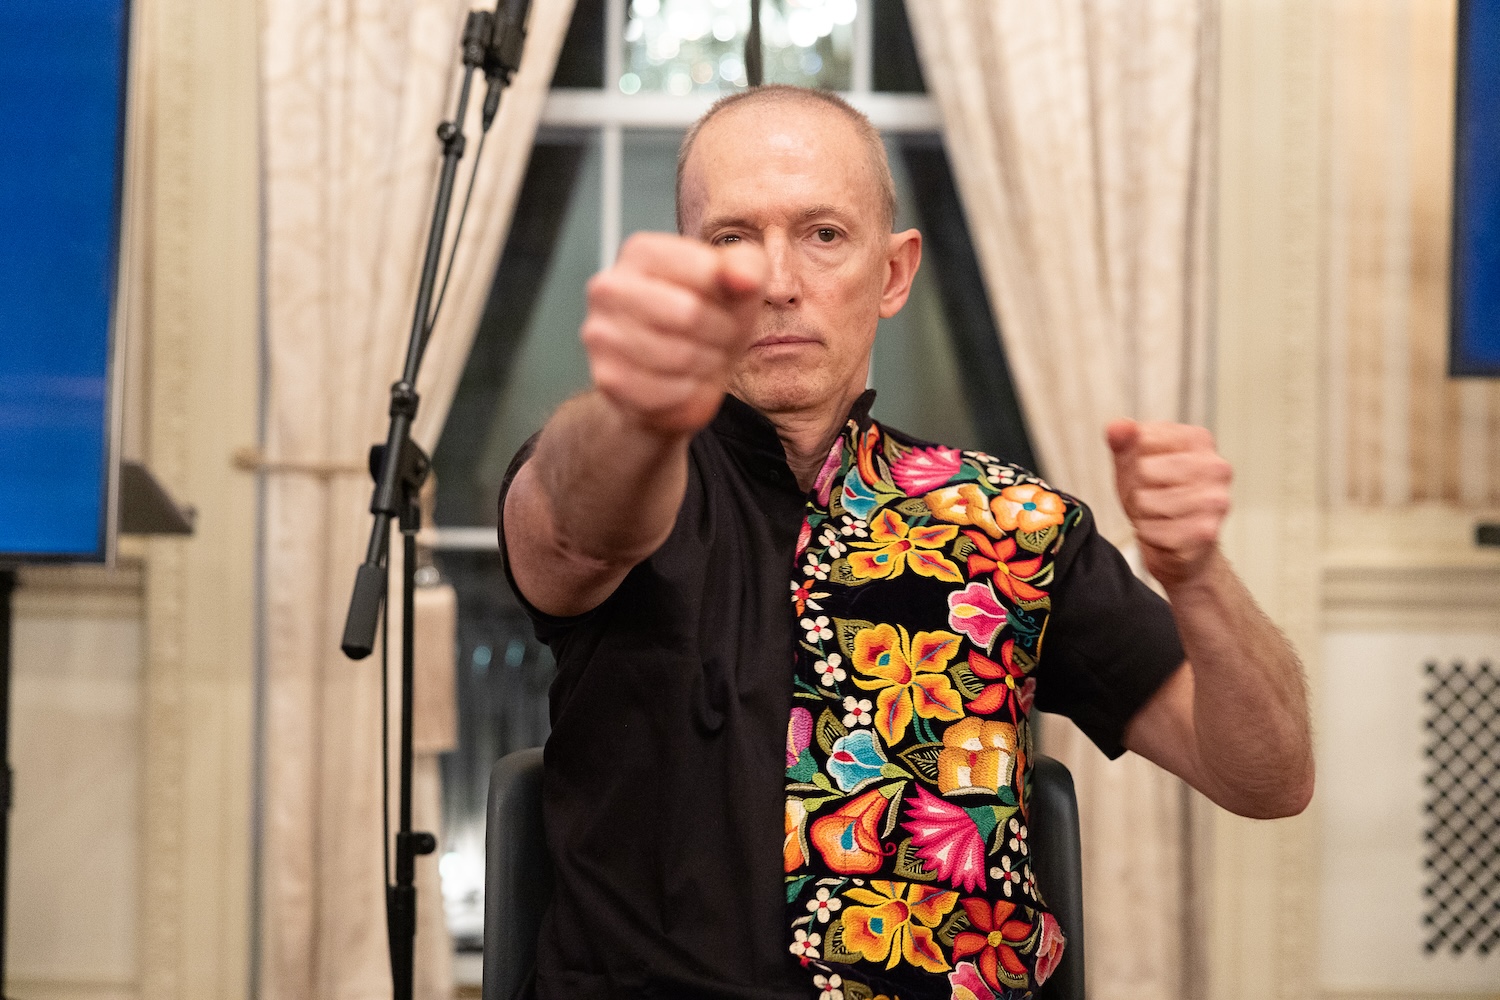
744	423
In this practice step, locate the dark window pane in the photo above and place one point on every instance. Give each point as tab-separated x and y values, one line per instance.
526	357
893	59
982	378
502	676
581	61
649	168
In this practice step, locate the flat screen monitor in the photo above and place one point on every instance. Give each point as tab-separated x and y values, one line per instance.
62	102
1475	313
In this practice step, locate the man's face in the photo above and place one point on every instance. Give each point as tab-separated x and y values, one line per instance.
795	179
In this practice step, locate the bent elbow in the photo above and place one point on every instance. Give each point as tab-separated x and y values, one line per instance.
1286	799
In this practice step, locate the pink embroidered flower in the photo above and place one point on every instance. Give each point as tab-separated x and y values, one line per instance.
946	840
804	538
924	469
967	984
976	613
1049	949
824	483
798	734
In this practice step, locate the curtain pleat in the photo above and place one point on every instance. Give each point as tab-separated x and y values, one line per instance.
352	91
1079	136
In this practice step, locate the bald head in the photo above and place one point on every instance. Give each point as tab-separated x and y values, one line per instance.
777	97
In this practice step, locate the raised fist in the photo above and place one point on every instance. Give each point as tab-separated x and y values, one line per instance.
1175	489
667	322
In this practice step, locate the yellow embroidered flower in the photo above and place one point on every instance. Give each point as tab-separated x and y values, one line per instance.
963	504
895	545
909	674
896	921
1028	507
977	755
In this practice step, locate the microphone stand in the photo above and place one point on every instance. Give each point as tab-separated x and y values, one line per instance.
399	467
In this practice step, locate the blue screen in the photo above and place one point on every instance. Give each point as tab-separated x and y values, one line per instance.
1476	235
61	101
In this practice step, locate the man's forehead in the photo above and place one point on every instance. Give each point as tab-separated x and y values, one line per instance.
774	140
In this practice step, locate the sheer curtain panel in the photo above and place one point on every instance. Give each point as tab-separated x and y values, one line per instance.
351	93
1079	132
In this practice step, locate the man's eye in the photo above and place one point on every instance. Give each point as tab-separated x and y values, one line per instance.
827	235
731	238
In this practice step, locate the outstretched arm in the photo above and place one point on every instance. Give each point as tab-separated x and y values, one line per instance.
665	324
1233	720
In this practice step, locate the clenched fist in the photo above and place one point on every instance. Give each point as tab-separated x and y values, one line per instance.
1175	489
667	322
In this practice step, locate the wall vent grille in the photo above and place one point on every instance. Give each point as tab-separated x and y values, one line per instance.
1462	834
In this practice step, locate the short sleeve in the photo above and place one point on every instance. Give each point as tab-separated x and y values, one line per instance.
1110	643
547	627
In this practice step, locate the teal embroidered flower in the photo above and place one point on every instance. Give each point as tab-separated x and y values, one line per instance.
856	758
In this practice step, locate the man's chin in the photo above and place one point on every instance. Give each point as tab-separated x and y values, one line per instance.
784	391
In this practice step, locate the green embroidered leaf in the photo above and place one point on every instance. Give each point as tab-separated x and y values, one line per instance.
842	574
953	927
1023	659
845	629
802	787
805	769
893	811
985	818
1002	816
794	886
965	680
913	507
1007	795
923	759
821	780
889	770
1042	602
836	500
909	866
962	546
1036	541
857	991
833	944
1044	577
829	730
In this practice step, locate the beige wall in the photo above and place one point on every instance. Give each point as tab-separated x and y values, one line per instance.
134	688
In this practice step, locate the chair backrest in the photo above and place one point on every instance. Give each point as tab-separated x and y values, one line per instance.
518	871
1057	860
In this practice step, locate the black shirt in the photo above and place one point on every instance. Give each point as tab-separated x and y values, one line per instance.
665	771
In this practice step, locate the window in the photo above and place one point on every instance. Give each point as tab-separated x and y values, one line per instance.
630	79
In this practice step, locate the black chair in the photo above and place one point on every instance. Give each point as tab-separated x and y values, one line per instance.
518	872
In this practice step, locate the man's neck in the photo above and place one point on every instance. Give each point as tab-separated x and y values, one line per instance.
807	435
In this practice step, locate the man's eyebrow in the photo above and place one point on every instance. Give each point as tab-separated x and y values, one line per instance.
741	222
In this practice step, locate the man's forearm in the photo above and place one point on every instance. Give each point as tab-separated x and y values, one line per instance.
598	496
1249	699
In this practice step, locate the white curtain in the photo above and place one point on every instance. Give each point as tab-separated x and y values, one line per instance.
352	91
1079	136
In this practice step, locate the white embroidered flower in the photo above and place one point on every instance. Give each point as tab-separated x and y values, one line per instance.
836	548
823	907
1003	874
992	474
852	527
856	711
829	670
1028	879
805	945
830	985
814	568
1018	836
817	628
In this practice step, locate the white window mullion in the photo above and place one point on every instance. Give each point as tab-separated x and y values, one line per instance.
611	157
862	56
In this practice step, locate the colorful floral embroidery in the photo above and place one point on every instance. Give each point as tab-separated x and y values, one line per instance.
909	746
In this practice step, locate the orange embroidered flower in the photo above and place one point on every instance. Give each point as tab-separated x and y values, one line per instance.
895	921
895	545
793	849
909	674
994	938
849	837
963	504
977	755
1028	507
1010	573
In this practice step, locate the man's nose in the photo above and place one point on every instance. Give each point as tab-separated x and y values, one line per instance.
783	280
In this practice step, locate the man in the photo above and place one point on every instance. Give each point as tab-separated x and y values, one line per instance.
798	650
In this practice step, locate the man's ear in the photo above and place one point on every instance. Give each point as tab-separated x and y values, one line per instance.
903	256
